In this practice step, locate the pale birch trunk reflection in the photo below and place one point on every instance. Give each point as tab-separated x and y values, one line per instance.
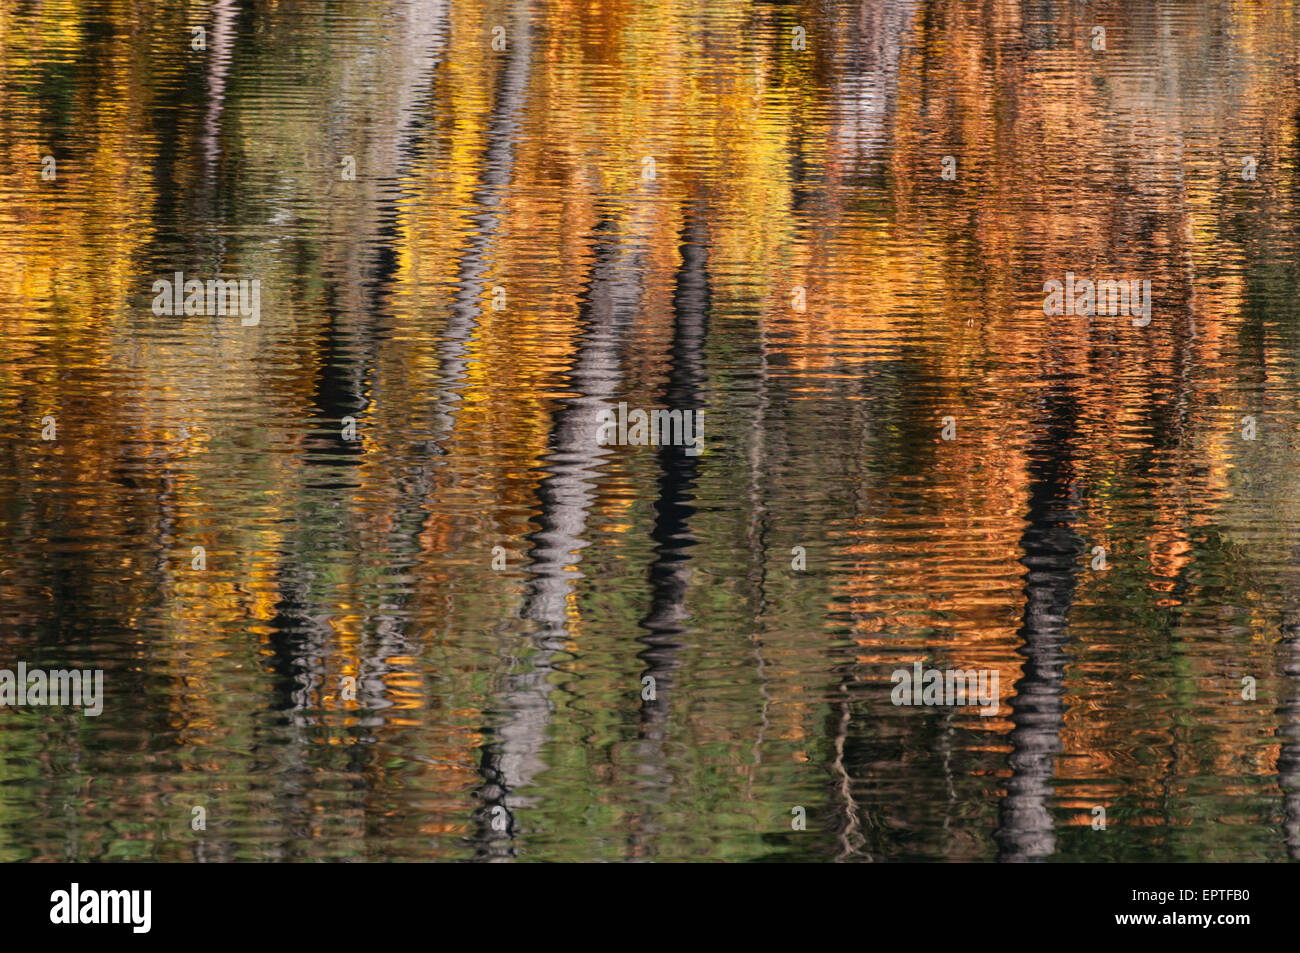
220	42
1052	548
497	167
566	496
357	309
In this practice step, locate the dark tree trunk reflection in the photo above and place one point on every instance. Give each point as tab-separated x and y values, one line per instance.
1051	553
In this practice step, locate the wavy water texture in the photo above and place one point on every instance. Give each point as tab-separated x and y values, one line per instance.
438	619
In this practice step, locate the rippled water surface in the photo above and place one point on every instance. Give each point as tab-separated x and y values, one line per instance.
434	618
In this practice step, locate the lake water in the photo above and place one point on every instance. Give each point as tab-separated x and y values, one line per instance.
362	581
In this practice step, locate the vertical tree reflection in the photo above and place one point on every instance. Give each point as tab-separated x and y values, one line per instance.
669	574
566	495
357	309
1051	550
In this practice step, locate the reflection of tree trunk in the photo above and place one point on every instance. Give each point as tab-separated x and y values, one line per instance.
568	492
209	203
678	475
220	42
1052	548
669	573
867	84
851	818
359	274
497	169
852	842
356	304
1040	21
360	282
1288	758
566	496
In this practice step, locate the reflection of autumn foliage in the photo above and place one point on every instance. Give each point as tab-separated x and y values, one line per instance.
820	170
